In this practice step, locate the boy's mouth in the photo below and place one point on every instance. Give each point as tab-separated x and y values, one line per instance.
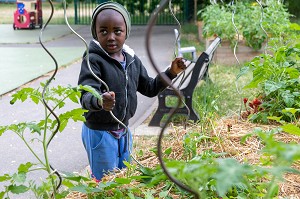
111	46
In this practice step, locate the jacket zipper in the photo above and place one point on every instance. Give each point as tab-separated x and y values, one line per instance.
126	91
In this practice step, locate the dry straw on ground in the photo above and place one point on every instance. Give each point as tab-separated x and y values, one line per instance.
229	131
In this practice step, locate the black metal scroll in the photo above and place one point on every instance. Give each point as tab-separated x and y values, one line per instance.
167	81
45	89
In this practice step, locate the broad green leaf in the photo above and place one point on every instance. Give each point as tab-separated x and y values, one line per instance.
168	151
21	95
147	171
290	110
230	173
25	167
131	195
76	178
75	115
139	177
79	188
123	180
294	26
2	194
61	104
35	128
296	94
244	70
157	178
3	129
5	177
63	125
271	86
18	128
68	183
149	194
291	129
280	54
91	90
17	189
255	82
104	185
163	194
127	164
293	72
277	119
245	137
288	98
74	97
19	177
35	99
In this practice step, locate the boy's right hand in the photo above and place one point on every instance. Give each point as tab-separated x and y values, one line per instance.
108	101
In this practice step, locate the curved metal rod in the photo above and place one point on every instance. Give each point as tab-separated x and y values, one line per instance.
236	30
234	52
100	80
261	26
183	74
151	23
45	88
179	25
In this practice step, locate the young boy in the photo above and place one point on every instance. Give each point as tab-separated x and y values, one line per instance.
104	139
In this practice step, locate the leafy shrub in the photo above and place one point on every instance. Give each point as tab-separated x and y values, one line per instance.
250	21
276	76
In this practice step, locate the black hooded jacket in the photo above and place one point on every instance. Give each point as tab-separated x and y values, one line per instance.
125	84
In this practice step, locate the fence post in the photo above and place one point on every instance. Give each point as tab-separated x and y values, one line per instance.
188	10
76	14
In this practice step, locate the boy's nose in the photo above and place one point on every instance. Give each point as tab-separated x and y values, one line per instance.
111	36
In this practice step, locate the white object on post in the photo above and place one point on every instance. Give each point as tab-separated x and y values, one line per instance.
182	50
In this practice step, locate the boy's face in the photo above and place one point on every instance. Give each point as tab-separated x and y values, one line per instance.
111	31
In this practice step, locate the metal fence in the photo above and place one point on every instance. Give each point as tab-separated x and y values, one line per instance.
140	11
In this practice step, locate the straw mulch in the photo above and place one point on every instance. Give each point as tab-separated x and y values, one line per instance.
229	131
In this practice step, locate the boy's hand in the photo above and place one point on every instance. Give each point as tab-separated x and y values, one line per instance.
108	101
177	66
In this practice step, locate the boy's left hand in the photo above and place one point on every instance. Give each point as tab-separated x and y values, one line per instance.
177	66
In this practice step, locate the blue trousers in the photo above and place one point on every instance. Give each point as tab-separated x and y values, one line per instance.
104	151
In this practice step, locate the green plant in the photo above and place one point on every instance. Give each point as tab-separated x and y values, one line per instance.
251	22
276	78
42	133
217	22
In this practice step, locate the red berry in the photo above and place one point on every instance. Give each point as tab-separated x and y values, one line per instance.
256	102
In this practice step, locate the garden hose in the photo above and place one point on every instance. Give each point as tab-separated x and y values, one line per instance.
151	23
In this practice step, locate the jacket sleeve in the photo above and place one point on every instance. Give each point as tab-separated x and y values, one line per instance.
152	86
88	101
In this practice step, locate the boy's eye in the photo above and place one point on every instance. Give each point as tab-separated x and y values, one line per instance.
118	32
103	32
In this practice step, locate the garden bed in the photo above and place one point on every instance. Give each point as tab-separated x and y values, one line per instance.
229	133
224	54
